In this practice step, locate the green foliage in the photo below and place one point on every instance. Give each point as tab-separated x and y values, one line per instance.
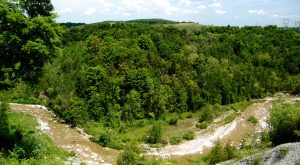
283	151
21	93
123	72
189	135
252	120
207	114
151	21
173	120
230	118
130	156
155	134
220	154
26	41
175	140
257	161
104	139
36	9
202	125
22	143
285	119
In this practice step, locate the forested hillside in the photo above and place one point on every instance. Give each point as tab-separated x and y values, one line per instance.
114	73
121	81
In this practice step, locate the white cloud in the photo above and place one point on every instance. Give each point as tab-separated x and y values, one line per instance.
65	10
257	12
201	7
237	17
221	11
126	14
186	2
166	6
90	11
133	4
275	15
106	5
216	5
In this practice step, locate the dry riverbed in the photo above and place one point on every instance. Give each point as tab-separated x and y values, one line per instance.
233	132
70	139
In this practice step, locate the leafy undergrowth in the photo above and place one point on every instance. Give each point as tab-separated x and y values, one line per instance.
22	142
171	129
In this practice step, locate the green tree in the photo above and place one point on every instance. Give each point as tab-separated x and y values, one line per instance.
26	43
36	8
133	106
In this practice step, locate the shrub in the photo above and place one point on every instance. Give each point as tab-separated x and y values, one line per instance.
155	134
175	140
202	125
220	154
206	114
173	121
104	139
130	156
257	161
285	119
190	135
252	120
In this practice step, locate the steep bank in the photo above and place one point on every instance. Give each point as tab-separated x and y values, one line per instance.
68	138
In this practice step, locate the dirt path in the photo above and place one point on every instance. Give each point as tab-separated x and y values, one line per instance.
68	138
232	132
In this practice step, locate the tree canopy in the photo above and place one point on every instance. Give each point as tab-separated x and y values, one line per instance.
27	40
136	71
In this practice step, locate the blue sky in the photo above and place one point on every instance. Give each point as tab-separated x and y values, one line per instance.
208	12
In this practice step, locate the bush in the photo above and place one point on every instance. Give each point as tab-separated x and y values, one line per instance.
155	134
202	125
130	156
173	121
206	114
190	135
220	154
175	140
104	139
252	120
285	122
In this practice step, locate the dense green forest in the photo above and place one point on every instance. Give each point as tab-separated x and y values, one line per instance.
118	75
135	71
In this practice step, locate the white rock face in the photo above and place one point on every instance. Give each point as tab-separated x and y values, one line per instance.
285	154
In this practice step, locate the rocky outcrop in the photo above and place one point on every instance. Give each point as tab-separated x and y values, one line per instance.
285	154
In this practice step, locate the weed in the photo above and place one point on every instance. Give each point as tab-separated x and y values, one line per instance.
252	120
190	135
283	151
175	140
202	125
257	161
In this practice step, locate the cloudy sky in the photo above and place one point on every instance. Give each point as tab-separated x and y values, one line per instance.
208	12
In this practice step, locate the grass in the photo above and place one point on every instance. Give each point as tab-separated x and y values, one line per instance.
173	126
252	120
230	118
21	93
188	26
